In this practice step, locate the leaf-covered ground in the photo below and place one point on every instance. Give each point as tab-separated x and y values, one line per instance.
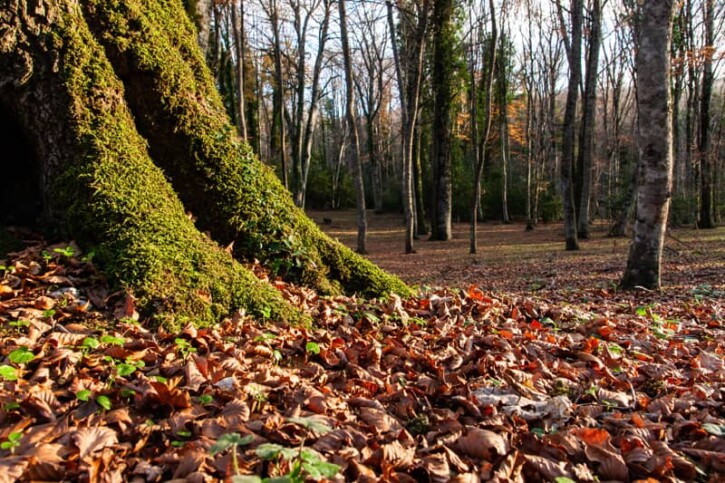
578	383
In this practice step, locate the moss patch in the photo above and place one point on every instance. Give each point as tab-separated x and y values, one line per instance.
117	201
235	197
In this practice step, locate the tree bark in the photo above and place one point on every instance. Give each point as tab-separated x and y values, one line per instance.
654	180
131	135
442	80
486	85
355	164
408	74
567	148
707	205
586	150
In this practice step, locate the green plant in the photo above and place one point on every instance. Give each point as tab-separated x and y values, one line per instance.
66	252
304	462
312	348
83	395
184	347
205	399
17	324
11	406
12	442
9	373
231	441
21	355
104	401
112	340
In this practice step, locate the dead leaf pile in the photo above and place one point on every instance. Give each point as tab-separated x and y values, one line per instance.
451	385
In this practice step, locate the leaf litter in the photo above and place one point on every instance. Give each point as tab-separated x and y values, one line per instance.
450	385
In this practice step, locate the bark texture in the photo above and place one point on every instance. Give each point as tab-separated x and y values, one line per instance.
654	177
129	135
567	147
442	85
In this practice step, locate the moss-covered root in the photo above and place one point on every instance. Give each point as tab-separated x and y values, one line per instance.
116	200
235	197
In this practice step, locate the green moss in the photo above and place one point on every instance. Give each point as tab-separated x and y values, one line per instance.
118	201
235	197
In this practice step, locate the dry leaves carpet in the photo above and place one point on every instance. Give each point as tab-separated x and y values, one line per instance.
451	385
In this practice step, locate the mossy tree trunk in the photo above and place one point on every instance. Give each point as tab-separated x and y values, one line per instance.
129	138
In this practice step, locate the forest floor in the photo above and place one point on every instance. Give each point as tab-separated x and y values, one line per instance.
534	369
511	259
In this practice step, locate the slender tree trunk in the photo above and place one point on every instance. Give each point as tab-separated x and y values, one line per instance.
442	79
707	206
503	129
239	42
487	86
352	127
421	225
568	151
586	150
278	134
409	89
654	181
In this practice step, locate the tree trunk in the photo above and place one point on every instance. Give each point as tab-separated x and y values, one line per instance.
567	148
200	12
654	180
586	150
130	135
707	176
480	143
355	165
442	80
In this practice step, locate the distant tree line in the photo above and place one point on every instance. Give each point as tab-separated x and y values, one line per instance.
448	110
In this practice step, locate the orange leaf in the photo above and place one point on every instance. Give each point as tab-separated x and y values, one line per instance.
593	436
506	334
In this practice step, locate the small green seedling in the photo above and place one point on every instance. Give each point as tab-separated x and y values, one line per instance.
9	373
19	323
83	395
113	340
21	355
12	442
231	441
184	347
104	402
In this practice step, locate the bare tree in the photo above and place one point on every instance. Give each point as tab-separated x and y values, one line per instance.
655	144
480	138
355	164
586	148
573	50
408	73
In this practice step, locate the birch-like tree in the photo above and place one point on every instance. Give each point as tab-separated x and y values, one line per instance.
654	180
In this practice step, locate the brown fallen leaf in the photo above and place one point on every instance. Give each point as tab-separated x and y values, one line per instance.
482	443
90	440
